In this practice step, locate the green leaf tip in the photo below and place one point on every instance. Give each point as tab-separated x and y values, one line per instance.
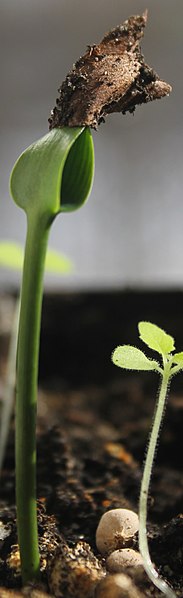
12	256
131	358
156	338
55	173
178	358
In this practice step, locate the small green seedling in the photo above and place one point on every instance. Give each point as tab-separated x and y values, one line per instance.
131	358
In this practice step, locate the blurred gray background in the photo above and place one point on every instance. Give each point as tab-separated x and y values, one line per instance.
130	233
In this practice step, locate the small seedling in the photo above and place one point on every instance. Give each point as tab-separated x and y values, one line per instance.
131	358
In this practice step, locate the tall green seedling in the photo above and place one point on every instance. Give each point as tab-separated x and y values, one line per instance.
53	175
131	358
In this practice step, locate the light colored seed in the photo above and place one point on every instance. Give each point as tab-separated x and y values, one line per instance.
116	529
118	560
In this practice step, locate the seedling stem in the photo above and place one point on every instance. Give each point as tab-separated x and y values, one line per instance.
27	372
144	492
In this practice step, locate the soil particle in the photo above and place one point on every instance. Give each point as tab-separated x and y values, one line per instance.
28	592
117	586
74	572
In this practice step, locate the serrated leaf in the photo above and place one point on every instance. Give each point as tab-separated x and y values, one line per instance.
12	256
178	358
156	338
131	358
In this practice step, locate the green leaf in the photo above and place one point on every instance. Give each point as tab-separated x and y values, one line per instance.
156	338
131	358
57	263
178	358
55	173
12	256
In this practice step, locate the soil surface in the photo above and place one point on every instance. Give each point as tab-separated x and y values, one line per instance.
93	425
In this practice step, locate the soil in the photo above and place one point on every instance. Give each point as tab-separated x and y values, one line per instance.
93	425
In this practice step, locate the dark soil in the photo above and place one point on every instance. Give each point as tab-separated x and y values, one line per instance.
93	425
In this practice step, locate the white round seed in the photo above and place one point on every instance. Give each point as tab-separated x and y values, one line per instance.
115	529
118	560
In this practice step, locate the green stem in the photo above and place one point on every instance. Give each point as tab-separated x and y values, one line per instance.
26	397
143	544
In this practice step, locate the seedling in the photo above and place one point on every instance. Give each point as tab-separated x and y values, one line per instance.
131	358
55	175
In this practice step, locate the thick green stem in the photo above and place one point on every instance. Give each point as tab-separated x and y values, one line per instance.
26	396
143	544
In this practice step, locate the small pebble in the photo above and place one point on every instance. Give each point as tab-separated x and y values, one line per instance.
74	572
116	529
118	560
5	531
117	586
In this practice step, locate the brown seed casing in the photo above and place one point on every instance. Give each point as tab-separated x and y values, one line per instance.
110	77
